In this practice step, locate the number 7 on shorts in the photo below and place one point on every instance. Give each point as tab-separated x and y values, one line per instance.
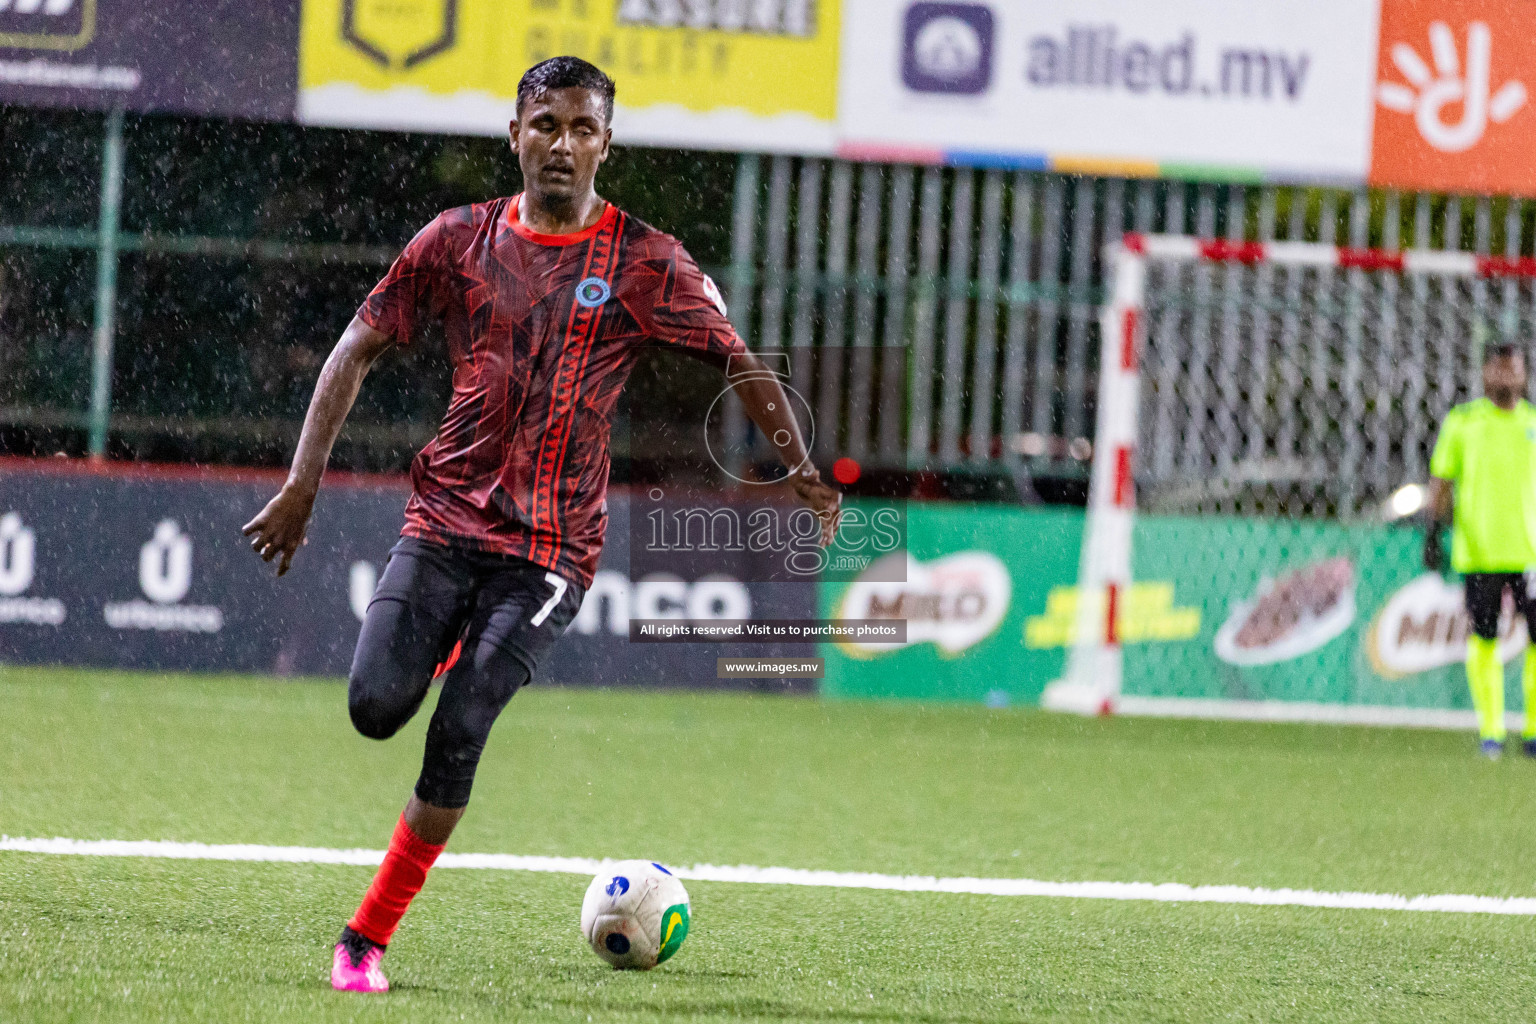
558	582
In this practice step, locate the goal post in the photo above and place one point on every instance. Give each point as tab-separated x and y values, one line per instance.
1092	681
1264	383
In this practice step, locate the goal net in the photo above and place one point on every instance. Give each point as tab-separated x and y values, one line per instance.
1266	414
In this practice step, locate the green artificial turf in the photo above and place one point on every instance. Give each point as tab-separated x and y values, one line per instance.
734	779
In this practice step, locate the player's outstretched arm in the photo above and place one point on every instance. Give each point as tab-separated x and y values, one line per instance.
278	530
764	400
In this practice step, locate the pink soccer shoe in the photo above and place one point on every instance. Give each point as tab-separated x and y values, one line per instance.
360	975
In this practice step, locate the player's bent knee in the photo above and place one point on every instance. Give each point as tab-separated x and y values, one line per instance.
373	715
368	720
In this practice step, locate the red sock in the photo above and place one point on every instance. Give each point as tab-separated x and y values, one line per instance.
399	879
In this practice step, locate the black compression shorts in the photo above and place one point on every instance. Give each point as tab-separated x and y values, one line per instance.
500	612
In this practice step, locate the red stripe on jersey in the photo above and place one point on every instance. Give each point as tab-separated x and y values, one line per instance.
581	330
507	472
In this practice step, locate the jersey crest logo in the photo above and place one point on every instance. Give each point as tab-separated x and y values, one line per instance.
592	292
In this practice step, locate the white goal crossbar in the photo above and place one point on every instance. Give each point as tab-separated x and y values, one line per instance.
1091	683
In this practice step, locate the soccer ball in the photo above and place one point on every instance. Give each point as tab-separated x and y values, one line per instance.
635	914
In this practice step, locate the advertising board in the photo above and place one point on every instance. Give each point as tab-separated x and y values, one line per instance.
1412	94
710	74
1222	609
149	571
218	58
1187	87
973	576
1314	612
1453	108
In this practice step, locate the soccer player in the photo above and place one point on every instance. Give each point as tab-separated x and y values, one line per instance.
1484	484
546	299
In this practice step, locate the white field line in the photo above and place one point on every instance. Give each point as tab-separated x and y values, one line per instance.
1164	892
1305	712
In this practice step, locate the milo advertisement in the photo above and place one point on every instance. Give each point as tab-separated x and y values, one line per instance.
974	574
1221	608
1307	612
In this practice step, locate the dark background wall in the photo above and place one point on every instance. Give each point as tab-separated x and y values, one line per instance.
217	352
123	606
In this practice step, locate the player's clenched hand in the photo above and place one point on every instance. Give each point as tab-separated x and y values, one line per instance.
820	498
279	528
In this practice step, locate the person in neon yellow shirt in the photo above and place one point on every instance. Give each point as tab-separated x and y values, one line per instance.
1484	484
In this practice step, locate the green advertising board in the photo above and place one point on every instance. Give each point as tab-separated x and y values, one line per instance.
1302	612
974	573
1220	608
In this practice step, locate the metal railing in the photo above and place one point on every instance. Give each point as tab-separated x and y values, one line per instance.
988	283
935	318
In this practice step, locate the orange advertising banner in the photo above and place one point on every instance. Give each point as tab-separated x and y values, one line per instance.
1453	108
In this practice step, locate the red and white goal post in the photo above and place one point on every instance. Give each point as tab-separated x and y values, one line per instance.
1351	311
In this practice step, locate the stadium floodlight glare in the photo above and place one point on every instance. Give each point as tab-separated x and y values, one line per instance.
1286	380
1406	500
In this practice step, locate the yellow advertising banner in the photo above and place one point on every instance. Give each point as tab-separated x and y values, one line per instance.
720	74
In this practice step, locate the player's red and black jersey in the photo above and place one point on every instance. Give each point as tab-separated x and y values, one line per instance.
542	330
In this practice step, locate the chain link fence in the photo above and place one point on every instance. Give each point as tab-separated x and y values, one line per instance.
1301	391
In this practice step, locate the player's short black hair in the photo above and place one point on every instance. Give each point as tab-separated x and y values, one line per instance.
565	73
1502	350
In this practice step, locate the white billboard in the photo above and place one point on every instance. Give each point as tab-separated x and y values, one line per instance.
1272	89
